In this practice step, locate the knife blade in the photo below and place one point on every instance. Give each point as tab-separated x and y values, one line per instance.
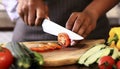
54	29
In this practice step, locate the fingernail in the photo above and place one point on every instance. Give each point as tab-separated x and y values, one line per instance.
47	18
73	43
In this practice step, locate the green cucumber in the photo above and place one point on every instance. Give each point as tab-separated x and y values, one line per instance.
90	52
95	57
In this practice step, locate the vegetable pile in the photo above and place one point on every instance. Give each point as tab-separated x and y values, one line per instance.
24	58
62	42
20	57
106	56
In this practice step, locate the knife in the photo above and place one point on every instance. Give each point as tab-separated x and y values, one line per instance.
54	29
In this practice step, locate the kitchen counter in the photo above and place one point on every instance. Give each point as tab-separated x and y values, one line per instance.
5	22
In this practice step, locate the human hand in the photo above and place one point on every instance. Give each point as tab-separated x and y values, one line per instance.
82	23
32	11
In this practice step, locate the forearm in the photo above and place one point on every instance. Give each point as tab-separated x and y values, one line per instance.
100	7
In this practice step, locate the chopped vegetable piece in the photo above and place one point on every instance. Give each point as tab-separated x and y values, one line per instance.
63	39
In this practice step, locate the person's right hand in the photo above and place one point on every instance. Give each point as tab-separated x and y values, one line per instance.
32	11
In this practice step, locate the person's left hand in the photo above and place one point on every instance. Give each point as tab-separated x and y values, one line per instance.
81	23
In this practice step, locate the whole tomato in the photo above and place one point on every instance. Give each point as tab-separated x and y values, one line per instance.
106	62
6	58
118	64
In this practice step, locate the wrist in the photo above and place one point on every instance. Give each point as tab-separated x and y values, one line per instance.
91	13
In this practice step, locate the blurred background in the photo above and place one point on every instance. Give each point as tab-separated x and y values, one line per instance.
7	26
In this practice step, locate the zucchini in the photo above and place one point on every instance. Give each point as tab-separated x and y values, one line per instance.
90	52
22	59
36	57
106	53
93	58
115	54
118	53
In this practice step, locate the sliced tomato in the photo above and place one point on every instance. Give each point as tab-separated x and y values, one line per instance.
46	47
54	45
63	39
37	49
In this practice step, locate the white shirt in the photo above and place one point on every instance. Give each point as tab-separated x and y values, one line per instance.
10	6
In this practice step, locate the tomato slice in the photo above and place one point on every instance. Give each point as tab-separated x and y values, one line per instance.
46	47
63	39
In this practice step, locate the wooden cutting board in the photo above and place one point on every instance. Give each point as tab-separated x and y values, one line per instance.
66	56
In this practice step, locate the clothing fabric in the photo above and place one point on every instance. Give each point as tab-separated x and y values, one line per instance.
10	6
59	12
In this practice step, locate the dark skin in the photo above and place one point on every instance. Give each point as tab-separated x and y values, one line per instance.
34	11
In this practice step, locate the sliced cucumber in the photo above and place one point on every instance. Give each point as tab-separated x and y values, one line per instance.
90	52
119	53
106	53
95	57
115	54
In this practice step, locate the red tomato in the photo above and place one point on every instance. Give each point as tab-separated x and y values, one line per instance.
63	39
106	62
118	64
46	47
6	58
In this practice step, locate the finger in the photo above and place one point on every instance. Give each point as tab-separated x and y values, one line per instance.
26	18
31	16
40	15
78	23
89	30
20	12
86	33
84	26
25	10
47	17
38	21
71	21
46	11
74	42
